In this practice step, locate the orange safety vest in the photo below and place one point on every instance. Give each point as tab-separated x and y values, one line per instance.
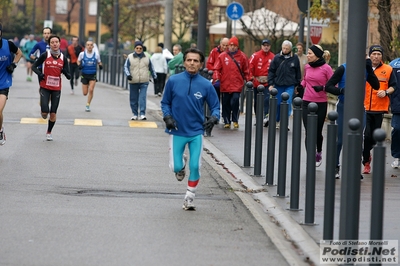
372	102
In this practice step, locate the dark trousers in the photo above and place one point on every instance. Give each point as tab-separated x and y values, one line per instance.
266	100
75	73
321	114
373	121
159	83
230	107
395	145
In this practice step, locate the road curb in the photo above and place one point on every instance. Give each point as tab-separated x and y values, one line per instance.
238	179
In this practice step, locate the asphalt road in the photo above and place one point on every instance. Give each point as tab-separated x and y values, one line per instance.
101	193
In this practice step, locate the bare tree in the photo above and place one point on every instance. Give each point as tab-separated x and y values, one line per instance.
265	24
385	24
70	11
138	19
185	15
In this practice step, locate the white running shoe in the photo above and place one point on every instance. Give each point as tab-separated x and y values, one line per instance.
87	108
2	137
182	173
49	137
396	163
188	204
134	117
266	120
143	117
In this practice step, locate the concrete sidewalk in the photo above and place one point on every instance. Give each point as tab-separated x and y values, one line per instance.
227	149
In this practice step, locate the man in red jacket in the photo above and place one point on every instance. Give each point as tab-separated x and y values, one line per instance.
232	70
212	59
258	66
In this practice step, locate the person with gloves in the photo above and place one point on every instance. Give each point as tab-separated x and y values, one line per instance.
87	62
138	69
316	73
10	55
336	86
54	64
376	103
182	107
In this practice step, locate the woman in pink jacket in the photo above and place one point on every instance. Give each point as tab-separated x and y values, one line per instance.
316	73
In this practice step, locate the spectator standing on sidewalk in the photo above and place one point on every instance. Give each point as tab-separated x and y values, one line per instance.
339	78
73	51
258	66
395	110
54	64
138	68
87	62
176	60
212	59
376	104
166	53
10	55
160	66
182	106
26	49
232	69
316	74
299	90
284	74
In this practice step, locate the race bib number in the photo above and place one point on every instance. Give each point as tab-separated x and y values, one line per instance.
53	81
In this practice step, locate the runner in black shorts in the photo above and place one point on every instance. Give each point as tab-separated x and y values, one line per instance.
10	55
87	62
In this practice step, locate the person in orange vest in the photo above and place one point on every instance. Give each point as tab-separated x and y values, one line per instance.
376	103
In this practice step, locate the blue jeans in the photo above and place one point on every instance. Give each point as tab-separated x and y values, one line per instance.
395	146
137	97
290	91
266	100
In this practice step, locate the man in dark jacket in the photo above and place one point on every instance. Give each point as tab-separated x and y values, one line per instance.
284	74
395	108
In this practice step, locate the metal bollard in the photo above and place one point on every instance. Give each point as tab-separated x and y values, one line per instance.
273	102
296	153
176	69
310	168
210	74
204	73
331	149
352	215
248	126
283	135
378	186
259	131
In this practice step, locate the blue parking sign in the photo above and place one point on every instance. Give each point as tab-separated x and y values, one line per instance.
234	11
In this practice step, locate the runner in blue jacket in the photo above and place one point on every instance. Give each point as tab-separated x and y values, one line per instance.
182	106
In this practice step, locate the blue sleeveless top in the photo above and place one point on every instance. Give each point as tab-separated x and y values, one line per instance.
89	64
6	59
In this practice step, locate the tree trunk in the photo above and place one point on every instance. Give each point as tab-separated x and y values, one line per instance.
385	29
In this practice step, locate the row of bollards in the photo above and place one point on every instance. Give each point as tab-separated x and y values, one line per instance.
352	205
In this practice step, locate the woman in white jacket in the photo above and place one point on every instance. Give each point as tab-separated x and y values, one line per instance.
160	66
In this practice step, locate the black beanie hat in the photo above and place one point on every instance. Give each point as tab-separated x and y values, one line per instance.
375	48
317	51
